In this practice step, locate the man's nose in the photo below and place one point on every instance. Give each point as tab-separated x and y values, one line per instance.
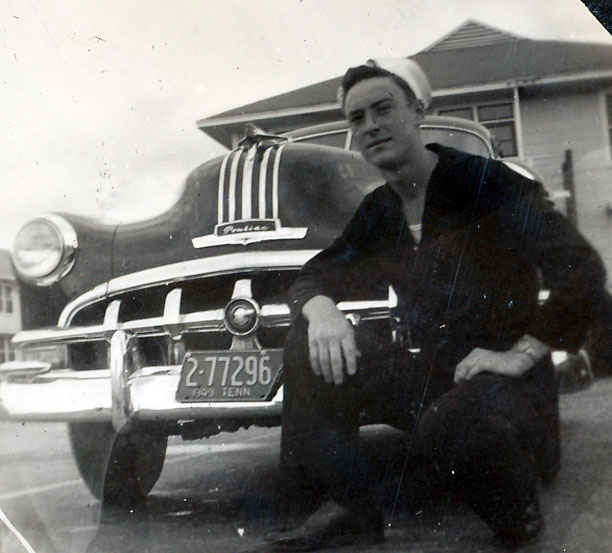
370	123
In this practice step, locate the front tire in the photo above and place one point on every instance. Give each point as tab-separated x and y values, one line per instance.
119	469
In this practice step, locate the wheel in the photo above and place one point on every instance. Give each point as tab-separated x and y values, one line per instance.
117	468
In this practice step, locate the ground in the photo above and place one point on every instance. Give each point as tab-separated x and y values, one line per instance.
218	495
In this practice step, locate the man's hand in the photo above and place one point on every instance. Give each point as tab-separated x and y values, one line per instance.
510	363
331	340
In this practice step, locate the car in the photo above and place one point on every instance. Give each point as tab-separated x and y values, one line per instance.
175	325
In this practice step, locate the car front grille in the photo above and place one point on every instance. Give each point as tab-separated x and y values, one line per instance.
201	294
204	295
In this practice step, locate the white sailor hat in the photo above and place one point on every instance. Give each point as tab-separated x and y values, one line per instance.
408	71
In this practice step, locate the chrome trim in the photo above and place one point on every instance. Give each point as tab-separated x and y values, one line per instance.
231	216
242	289
245	238
65	395
202	321
121	366
69	244
111	315
263	173
247	182
172	312
22	368
275	174
82	396
253	324
186	270
221	187
88	298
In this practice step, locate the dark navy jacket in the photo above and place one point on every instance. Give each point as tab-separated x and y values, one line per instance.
490	241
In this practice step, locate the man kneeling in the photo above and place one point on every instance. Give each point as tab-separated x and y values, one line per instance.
466	243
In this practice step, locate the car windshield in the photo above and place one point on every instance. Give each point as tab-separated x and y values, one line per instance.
455	138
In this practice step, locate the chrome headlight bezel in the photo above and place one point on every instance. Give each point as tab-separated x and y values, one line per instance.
68	242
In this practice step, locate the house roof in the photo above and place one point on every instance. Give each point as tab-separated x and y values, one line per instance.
470	33
6	268
470	56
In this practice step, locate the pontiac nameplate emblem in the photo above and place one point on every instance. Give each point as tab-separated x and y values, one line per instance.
247	207
238	227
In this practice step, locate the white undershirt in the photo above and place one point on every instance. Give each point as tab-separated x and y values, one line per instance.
416	232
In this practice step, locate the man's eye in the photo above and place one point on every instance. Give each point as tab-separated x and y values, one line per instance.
382	110
355	119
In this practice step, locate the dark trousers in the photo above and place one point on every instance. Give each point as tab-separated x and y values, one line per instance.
487	439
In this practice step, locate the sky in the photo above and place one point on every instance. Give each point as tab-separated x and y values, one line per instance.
100	99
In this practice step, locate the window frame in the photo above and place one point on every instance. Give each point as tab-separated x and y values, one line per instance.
8	298
474	108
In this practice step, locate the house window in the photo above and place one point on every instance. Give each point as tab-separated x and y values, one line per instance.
8	299
1	298
498	118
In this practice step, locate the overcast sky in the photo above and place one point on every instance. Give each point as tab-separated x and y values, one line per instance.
100	99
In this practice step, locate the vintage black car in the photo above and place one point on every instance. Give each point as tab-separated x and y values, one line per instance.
175	325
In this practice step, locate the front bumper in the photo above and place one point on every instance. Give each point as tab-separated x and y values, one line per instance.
127	389
127	392
147	395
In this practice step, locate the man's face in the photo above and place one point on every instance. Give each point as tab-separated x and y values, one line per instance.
383	121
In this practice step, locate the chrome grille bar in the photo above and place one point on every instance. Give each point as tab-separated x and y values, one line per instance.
174	323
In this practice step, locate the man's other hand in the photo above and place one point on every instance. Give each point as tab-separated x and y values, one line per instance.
510	363
331	340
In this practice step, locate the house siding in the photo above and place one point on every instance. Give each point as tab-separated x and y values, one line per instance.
553	123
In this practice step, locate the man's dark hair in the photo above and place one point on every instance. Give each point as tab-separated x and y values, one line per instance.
363	72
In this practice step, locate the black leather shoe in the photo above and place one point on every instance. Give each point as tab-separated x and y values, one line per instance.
331	526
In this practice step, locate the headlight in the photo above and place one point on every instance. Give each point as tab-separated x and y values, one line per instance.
44	249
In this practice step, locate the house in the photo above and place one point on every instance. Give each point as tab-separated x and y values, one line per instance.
548	104
10	308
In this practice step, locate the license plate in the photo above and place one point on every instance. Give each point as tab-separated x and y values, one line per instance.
229	375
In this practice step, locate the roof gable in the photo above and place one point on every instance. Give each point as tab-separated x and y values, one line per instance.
470	34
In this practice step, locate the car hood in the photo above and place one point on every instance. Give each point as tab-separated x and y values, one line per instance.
262	197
